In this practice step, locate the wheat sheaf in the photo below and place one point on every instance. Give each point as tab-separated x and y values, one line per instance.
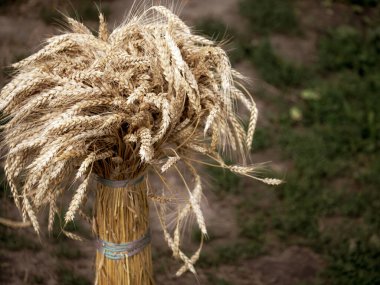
147	96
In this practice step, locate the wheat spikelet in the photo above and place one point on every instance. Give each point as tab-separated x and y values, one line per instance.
12	186
31	214
146	151
252	125
77	27
194	258
52	211
271	181
195	199
72	236
83	169
77	200
60	169
211	117
169	163
103	30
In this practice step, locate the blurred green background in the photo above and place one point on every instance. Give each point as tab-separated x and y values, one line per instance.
315	72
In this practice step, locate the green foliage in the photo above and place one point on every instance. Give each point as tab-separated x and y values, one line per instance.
364	2
310	154
262	139
347	114
275	70
12	241
335	150
370	177
347	48
270	15
299	214
68	277
354	261
250	244
341	129
224	181
216	30
231	253
228	254
253	228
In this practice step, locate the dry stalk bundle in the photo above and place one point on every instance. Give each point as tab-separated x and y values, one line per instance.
148	96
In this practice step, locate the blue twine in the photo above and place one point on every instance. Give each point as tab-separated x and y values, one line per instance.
118	183
117	251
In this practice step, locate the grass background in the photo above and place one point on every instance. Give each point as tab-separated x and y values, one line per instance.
327	125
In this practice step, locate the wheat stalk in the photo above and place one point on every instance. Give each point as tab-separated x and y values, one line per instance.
113	105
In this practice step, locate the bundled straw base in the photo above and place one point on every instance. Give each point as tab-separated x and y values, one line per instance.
122	215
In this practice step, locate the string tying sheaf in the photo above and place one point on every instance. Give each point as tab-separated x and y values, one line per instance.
118	251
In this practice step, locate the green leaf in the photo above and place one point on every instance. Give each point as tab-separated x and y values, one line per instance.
309	94
295	114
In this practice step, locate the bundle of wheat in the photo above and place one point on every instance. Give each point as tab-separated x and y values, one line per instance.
145	97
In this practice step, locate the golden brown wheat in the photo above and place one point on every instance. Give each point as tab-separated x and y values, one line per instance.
116	105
